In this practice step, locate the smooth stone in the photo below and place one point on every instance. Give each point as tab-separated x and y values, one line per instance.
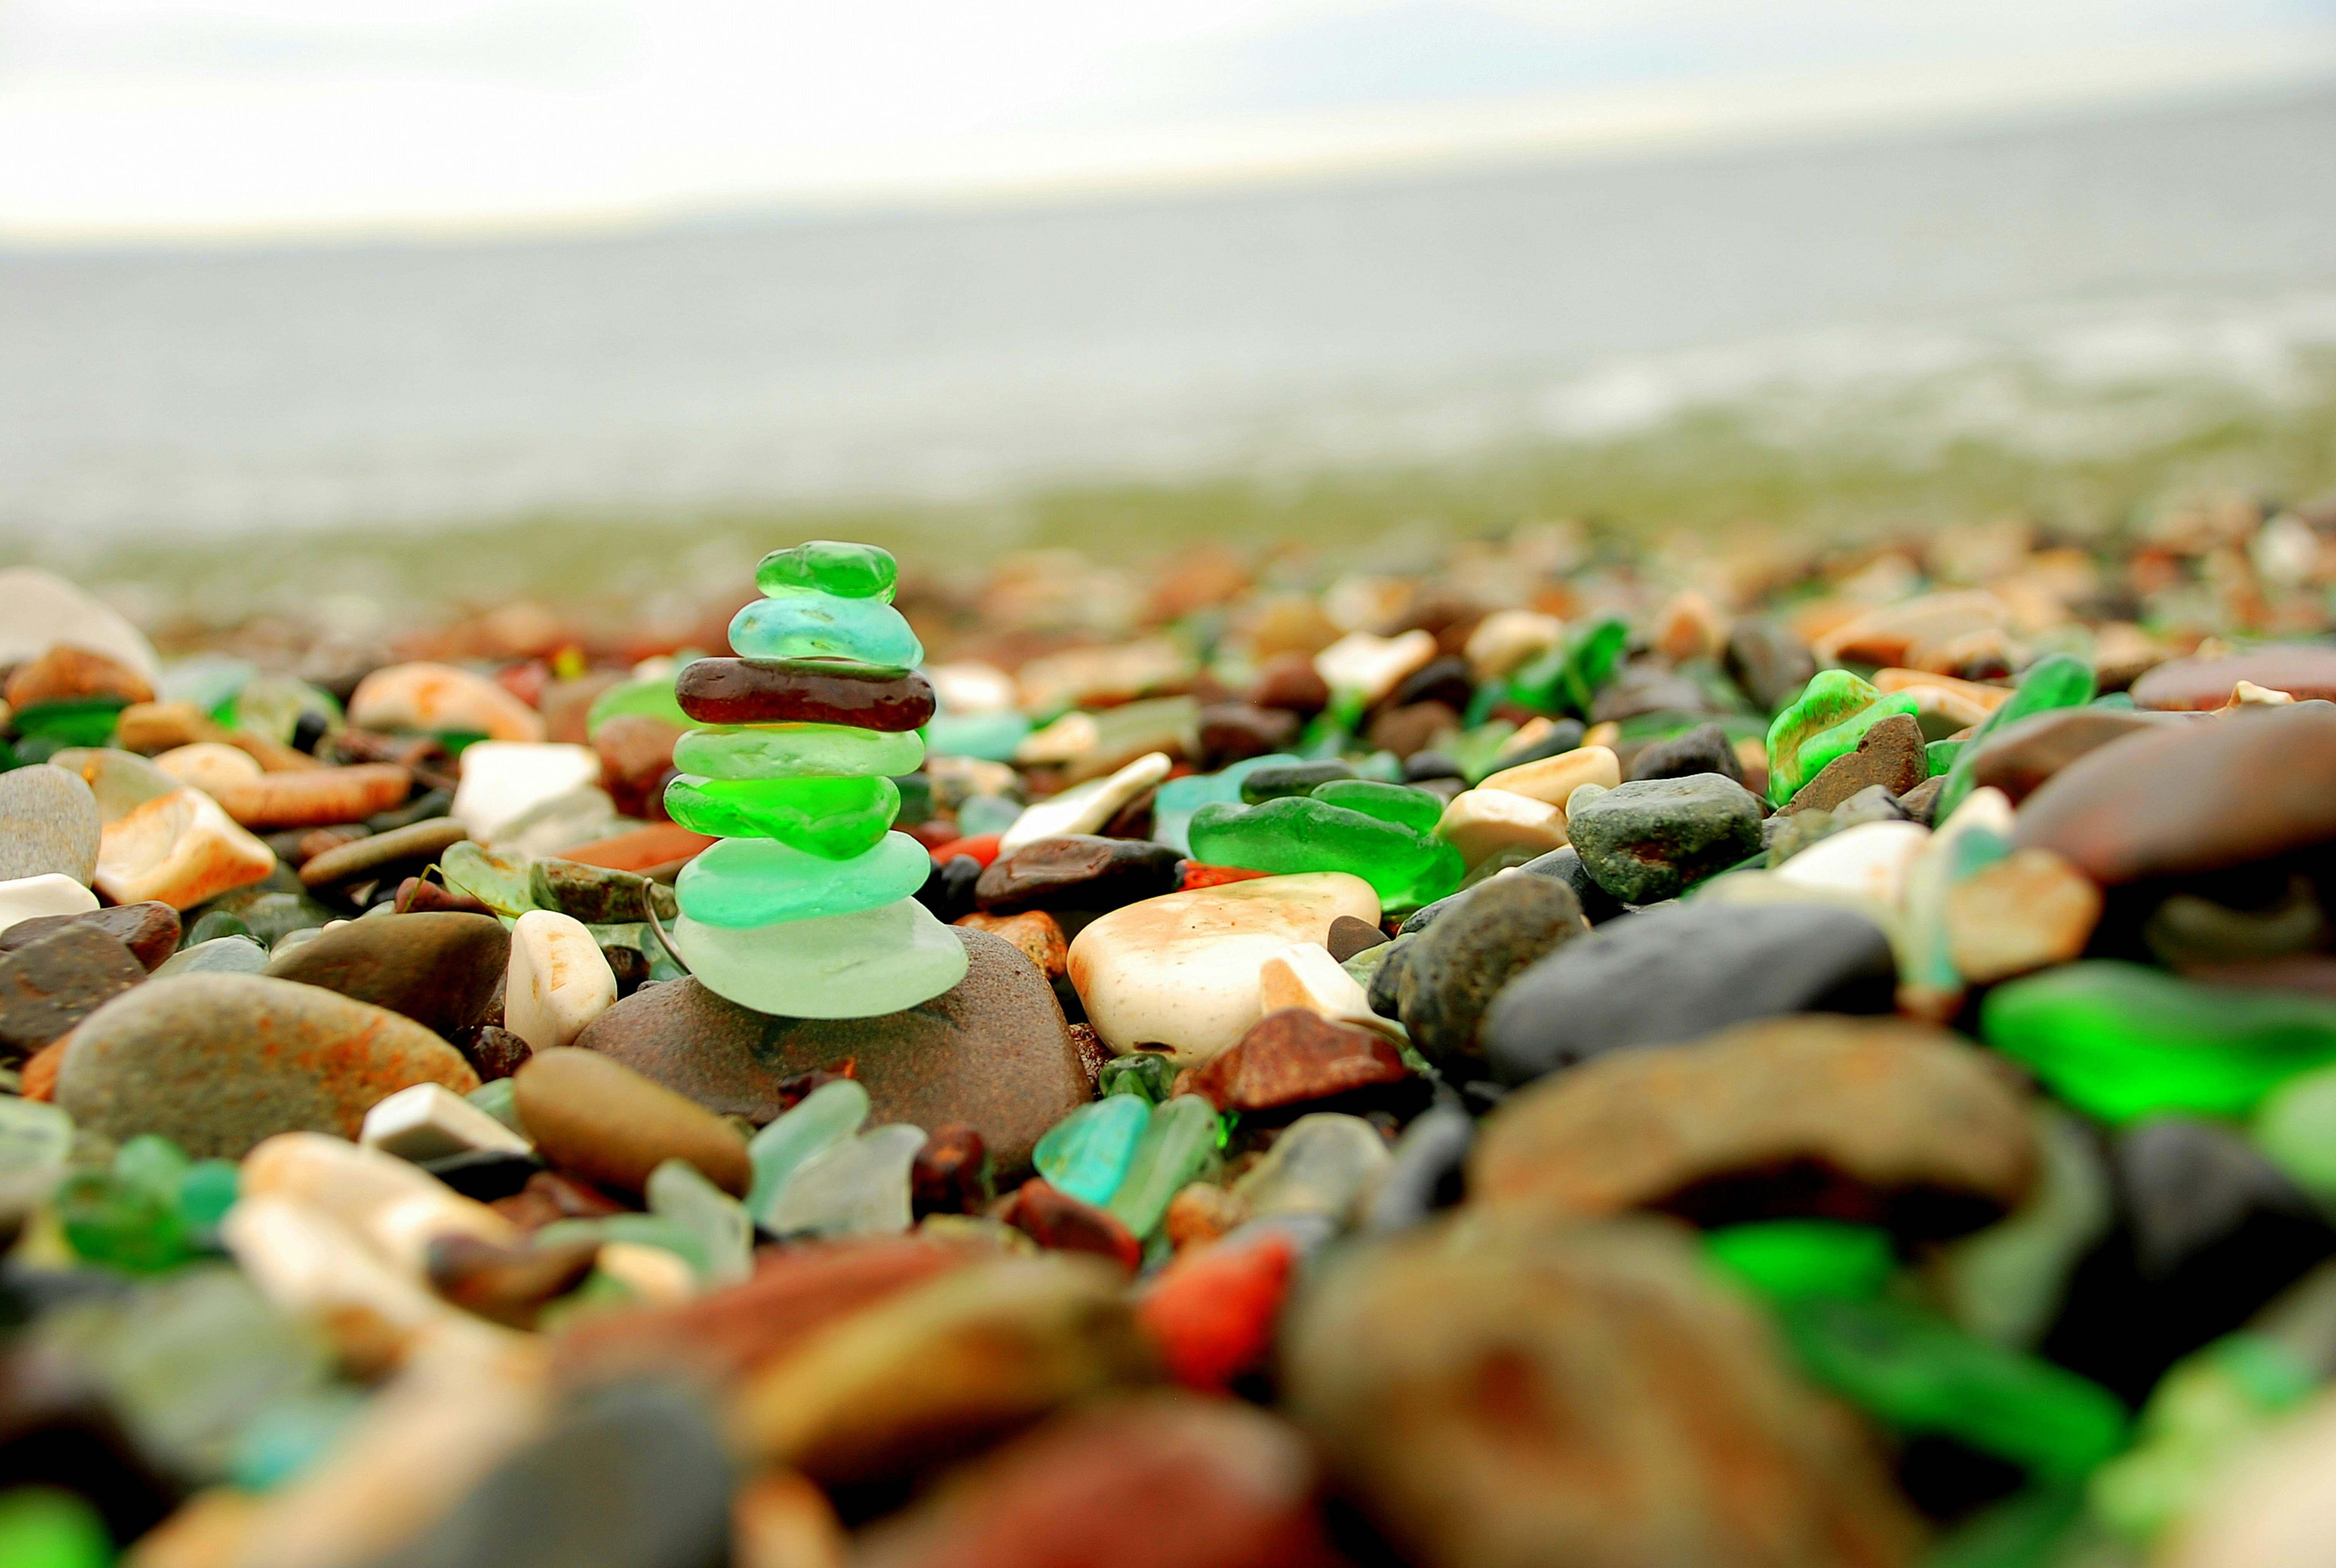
2030	911
158	1059
502	781
1768	661
1652	840
1486	939
591	1115
1870	861
1425	1174
1703	749
1322	1163
1680	972
2019	757
2304	670
597	895
1892	754
1364	670
1076	872
738	691
992	1052
1482	823
1870	1122
441	970
845	570
177	849
871	961
1492	1394
1085	808
47	896
1036	932
739	883
1294	1055
1086	1153
807	623
442	698
1349	936
797	751
1551	780
1179	973
836	819
220	955
40	610
48	824
1565	865
827	1116
558	981
149	931
316	796
1304	975
46	987
378	854
430	1122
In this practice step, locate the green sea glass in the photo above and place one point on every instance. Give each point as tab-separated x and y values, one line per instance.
1398	803
827	1116
807	623
677	1190
851	966
2295	1129
1179	798
44	1527
130	1216
833	818
1789	1260
1300	833
760	751
857	1187
1569	677
2212	1405
499	1097
2055	681
2119	1041
502	879
991	736
1179	1145
846	570
1146	1074
1086	1153
645	697
1831	697
1921	1374
760	882
2005	1283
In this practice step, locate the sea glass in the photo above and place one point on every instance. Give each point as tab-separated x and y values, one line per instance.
1569	676
1179	798
828	1114
679	1193
2295	1129
834	818
643	696
1086	1153
2211	1405
45	1527
1832	698
1322	1163
2120	1041
129	1216
1399	803
807	623
858	1187
638	1229
498	879
1141	1073
2055	681
830	566
851	966
1179	1145
734	691
991	736
1790	1259
797	751
1298	833
760	882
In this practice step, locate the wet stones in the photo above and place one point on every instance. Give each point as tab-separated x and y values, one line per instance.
1453	972
592	1116
1650	840
1293	1055
149	931
1703	749
2018	758
377	855
439	970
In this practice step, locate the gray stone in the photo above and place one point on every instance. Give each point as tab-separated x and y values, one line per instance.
439	968
1564	863
48	824
1768	662
220	955
1703	749
49	986
1787	835
151	930
1652	840
401	850
1453	972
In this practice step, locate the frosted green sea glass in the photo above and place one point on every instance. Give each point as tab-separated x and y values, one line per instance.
1398	803
1178	1145
827	1116
807	623
766	751
833	818
1300	833
855	1187
847	571
1789	1260
1086	1153
851	966
761	881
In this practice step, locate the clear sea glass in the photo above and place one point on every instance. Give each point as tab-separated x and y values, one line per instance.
855	1188
851	966
827	1116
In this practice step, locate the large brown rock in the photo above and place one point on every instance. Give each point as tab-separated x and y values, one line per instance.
2199	797
992	1051
1848	1118
2018	758
1502	1397
439	968
2302	669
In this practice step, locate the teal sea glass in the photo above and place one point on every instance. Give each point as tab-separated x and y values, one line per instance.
807	623
759	881
1300	833
833	818
760	751
830	566
1179	1145
827	1116
1088	1153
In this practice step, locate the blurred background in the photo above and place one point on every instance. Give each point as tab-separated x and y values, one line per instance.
354	304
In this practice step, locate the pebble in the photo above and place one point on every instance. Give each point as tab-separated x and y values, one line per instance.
592	1116
1489	935
149	931
441	970
50	895
39	611
1324	1163
2305	671
1085	808
1891	755
430	1122
1482	823
381	854
502	781
2030	911
1869	860
1078	871
1653	838
442	698
48	986
48	825
1705	748
2018	758
1036	932
1292	1055
557	981
1551	780
179	849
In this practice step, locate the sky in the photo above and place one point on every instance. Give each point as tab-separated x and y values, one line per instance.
140	121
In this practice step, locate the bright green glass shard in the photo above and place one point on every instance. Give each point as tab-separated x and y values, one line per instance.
1179	1145
797	751
1788	1260
846	570
2055	681
1398	803
1300	833
833	818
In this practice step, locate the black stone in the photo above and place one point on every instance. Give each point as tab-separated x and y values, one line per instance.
1444	679
949	887
1768	662
1423	765
1454	969
1427	1174
1292	778
485	1174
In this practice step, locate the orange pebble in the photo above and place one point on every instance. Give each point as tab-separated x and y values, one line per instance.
1212	1311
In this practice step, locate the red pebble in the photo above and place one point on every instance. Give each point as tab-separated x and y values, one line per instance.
1212	1311
1194	874
1055	1218
982	847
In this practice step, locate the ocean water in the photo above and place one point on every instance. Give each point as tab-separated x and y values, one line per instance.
2065	285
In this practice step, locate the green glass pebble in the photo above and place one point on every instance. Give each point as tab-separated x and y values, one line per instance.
1920	1374
1939	760
1180	1144
2057	681
500	1099
1173	805
829	566
758	881
78	722
806	623
826	1116
206	1192
1298	833
857	1187
2006	1283
501	880
2032	1529
2295	1129
1786	1259
129	1217
851	966
1832	696
835	819
2120	1041
43	1527
1086	1153
680	1192
1144	1074
797	751
1569	677
215	924
1390	802
990	736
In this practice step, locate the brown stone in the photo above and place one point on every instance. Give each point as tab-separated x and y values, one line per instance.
636	754
991	1052
2199	797
441	970
1202	1211
1060	1223
1413	727
1868	1121
2302	670
1232	731
1296	1054
951	1172
376	855
1891	755
2019	757
288	800
67	673
1037	934
1290	681
1495	1396
2028	909
149	931
494	1051
1076	871
1349	936
592	1114
46	987
507	1285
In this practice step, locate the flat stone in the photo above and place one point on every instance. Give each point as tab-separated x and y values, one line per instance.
218	1062
2021	756
599	895
1455	968
2201	797
1680	972
1292	1055
1891	755
427	1122
1649	841
1349	936
992	1052
316	796
439	970
1703	749
1076	872
149	931
1085	808
1590	1393
2304	670
1867	1122
1553	779
377	855
2029	910
48	986
48	823
591	1115
50	895
1485	821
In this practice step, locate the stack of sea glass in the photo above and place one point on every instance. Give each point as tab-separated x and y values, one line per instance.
804	908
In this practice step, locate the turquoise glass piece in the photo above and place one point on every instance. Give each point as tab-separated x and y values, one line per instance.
857	1187
206	1192
797	751
1173	805
851	966
1179	1145
1086	1153
827	1116
979	814
2057	681
1389	803
833	818
680	1192
806	623
1789	1260
990	736
829	566
1300	833
760	882
2120	1041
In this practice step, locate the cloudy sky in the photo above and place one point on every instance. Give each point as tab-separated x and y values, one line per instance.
225	119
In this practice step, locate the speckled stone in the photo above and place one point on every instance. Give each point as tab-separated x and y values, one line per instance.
48	824
1652	839
48	986
1455	968
149	931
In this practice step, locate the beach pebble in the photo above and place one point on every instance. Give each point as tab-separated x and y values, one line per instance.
1304	975
179	849
557	982
1079	871
1482	823
48	986
1455	968
439	970
48	825
149	931
1293	1055
441	697
2029	910
1085	808
1652	840
1889	754
502	781
430	1122
1551	780
591	1115
1870	861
